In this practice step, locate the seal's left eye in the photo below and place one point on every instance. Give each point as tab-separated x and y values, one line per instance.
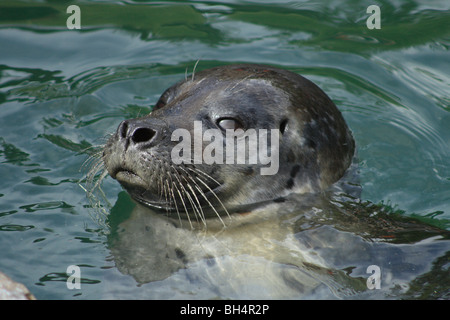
229	123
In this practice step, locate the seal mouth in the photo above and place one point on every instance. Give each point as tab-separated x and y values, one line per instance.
128	177
185	193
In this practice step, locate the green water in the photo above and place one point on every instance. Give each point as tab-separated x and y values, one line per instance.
62	91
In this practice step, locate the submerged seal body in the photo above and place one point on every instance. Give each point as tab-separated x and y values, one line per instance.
314	145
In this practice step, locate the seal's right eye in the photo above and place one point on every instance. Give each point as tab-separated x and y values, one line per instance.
283	126
229	123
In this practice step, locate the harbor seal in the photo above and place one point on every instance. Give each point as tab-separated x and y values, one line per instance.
291	245
314	146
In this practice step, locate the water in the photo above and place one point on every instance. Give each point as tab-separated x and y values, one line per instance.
62	91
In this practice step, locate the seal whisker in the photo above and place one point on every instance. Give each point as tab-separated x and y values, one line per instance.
166	192
197	208
95	162
160	182
201	193
166	189
197	170
99	181
205	197
94	150
194	207
171	188
173	185
95	157
210	204
239	82
93	180
97	168
177	176
184	206
200	210
215	195
182	199
95	194
193	71
209	188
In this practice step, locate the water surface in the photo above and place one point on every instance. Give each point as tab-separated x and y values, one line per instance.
62	91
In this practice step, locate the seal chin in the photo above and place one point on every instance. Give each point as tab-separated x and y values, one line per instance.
201	202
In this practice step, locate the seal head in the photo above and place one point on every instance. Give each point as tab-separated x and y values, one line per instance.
314	145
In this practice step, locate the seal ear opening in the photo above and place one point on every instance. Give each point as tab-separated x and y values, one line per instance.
283	126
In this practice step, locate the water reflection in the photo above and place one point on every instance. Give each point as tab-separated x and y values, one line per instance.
305	248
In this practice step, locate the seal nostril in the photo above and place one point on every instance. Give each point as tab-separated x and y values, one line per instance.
143	135
123	129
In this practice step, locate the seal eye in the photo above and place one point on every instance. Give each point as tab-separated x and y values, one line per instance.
283	126
229	123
